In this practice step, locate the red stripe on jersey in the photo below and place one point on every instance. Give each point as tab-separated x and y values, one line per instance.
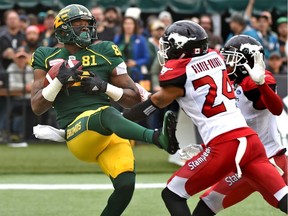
173	68
248	84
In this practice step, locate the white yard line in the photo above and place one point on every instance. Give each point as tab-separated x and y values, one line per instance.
74	186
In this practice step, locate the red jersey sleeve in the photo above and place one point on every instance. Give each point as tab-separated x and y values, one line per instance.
174	72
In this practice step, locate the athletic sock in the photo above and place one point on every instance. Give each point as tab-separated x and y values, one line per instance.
124	185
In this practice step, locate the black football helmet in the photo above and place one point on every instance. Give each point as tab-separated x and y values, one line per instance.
82	36
182	39
238	51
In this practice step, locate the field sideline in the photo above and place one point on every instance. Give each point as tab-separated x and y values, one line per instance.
77	183
73	202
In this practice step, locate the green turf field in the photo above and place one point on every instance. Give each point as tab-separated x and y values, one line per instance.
52	164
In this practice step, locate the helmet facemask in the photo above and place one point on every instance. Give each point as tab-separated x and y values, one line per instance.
233	59
83	36
162	53
238	51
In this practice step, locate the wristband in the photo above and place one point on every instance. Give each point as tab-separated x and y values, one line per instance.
51	91
114	92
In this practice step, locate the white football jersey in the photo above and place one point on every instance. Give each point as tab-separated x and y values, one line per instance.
262	121
209	98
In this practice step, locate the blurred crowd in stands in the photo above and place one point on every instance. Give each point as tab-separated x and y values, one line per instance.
138	39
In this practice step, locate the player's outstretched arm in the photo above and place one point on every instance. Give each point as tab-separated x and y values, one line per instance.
159	100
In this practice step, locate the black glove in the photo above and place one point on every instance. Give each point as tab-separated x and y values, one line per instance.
67	74
94	85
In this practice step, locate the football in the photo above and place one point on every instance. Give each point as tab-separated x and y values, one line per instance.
54	70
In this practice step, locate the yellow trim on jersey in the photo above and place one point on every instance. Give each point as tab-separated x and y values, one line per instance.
88	113
46	60
99	55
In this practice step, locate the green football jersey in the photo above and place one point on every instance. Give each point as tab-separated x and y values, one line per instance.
100	59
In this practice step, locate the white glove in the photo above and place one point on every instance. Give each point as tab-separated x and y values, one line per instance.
143	92
257	73
189	151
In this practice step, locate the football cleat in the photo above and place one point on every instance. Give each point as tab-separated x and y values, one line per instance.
167	137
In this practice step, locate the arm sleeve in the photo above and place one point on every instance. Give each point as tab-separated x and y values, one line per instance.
264	96
140	111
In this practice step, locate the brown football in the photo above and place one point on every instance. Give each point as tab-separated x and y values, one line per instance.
54	70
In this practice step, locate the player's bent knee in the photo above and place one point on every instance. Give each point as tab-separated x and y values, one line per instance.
283	204
169	196
202	209
125	182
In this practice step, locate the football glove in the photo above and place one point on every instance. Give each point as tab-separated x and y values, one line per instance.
94	85
257	73
143	92
67	74
189	151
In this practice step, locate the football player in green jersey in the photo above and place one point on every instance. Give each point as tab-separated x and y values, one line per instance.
95	131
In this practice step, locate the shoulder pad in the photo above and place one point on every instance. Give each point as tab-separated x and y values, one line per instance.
174	72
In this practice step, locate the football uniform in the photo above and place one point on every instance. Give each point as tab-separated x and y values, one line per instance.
100	59
231	190
209	101
78	112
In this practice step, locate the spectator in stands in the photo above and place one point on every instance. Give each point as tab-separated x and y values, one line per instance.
275	64
147	28
166	18
157	29
239	26
104	33
33	19
282	36
268	15
24	22
248	15
134	48
11	38
265	36
20	79
113	18
40	21
195	19
33	40
18	68
214	41
48	36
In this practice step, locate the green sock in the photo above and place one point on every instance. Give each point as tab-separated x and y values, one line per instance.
124	185
112	120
